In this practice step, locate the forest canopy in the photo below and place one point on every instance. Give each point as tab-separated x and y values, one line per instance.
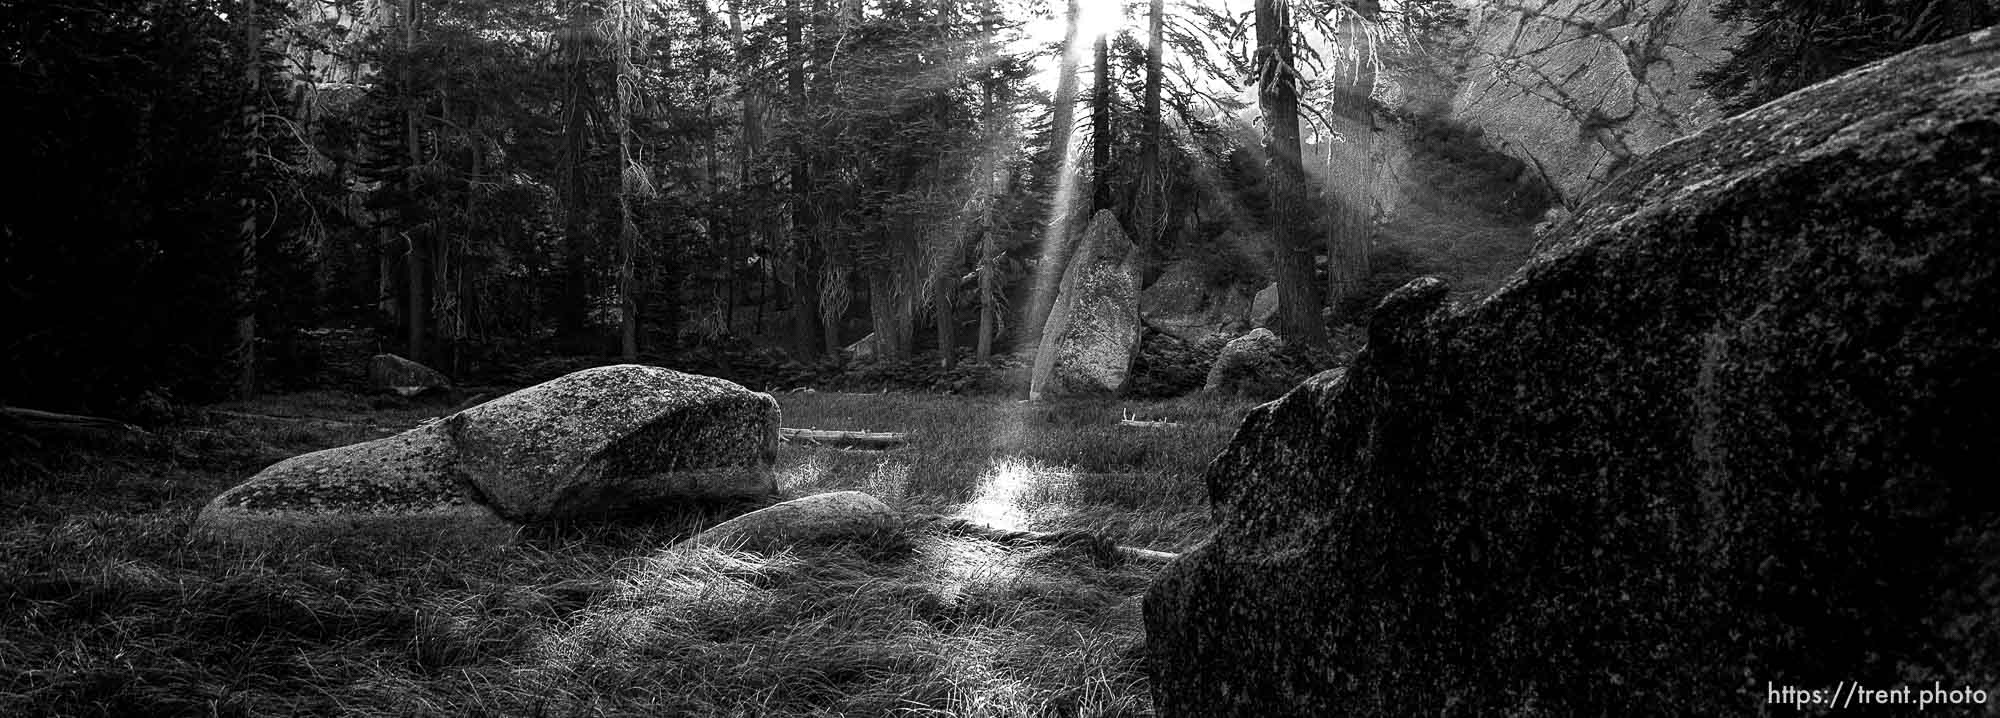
215	189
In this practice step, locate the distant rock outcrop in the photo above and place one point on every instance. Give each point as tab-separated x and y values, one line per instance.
1251	365
1183	305
1578	88
1264	306
1093	332
597	441
392	373
1730	430
820	517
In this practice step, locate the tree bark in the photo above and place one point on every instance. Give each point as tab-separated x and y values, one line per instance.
628	230
573	307
1147	216
805	288
1100	128
242	356
944	278
1348	235
1299	299
419	245
989	250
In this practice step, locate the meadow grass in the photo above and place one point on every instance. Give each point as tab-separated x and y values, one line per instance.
106	608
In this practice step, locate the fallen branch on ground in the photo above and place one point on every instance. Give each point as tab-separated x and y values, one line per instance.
38	419
290	419
872	440
1103	549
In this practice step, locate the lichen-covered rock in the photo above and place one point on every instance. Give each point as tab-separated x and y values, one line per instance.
388	372
598	441
1183	305
615	437
1251	365
1093	331
1731	429
820	517
403	487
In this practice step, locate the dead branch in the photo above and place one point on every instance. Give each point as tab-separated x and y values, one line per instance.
291	419
49	420
868	440
1104	550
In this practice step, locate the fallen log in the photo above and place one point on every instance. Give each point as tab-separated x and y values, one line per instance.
38	419
1150	424
868	440
1106	551
292	419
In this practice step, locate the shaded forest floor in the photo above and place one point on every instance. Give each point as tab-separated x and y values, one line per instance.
107	609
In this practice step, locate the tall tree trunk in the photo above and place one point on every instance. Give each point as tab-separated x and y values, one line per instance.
943	279
1299	300
989	250
1347	236
1148	217
419	242
1058	238
573	307
242	353
805	288
751	140
1100	128
628	230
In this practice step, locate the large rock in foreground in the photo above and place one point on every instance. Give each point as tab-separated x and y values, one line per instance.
594	442
1092	334
405	488
1729	432
608	438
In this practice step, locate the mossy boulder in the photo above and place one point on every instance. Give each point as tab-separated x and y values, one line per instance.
1729	429
404	487
601	440
596	442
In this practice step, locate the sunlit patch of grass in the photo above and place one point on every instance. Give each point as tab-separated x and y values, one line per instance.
106	609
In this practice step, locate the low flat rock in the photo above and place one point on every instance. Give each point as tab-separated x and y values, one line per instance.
819	517
615	437
400	488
